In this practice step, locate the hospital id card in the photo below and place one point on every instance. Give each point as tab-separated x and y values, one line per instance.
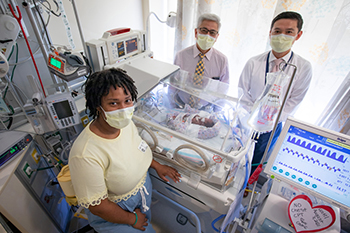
143	146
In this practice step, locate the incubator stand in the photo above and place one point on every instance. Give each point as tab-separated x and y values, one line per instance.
205	141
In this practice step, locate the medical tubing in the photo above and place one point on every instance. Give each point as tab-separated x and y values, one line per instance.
13	69
229	131
257	164
19	18
16	96
63	152
136	219
215	220
246	178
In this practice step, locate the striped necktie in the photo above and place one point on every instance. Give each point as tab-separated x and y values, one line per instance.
197	79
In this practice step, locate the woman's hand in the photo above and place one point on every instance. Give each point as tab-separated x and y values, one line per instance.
164	170
141	220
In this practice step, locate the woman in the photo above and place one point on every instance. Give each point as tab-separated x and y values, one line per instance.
109	161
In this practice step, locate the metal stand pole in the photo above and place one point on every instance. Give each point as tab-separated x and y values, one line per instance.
273	132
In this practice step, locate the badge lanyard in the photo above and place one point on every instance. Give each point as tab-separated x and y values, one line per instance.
267	64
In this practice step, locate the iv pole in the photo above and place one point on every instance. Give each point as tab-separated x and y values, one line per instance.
273	132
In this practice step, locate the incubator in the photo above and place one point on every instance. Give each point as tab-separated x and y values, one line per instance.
204	142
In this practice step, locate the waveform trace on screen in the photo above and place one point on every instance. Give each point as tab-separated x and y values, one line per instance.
326	152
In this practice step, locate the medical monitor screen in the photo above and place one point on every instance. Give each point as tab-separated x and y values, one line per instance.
131	45
315	160
63	109
121	49
55	63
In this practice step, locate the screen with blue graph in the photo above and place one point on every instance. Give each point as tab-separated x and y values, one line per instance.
314	161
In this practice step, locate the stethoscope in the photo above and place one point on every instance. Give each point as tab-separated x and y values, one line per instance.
267	64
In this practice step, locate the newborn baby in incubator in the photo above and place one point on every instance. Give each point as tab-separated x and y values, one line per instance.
199	124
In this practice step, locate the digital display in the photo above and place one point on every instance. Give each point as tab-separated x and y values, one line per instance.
121	49
8	154
316	162
63	109
55	63
131	45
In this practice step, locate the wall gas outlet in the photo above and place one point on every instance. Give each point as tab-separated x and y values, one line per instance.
27	170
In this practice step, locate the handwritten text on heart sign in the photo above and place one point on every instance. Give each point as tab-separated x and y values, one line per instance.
306	218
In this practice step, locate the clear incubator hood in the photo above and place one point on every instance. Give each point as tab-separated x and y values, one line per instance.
199	128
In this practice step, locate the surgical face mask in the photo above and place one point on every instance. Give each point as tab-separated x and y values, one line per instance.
119	118
205	42
281	43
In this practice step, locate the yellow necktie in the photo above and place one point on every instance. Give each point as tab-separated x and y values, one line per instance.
197	79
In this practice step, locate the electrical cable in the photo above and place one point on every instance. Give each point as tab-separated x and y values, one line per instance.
42	21
48	20
24	94
13	48
27	59
43	168
49	8
10	118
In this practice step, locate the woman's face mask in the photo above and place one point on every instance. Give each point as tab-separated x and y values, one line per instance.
119	118
281	43
205	42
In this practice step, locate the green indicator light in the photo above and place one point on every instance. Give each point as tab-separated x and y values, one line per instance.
272	177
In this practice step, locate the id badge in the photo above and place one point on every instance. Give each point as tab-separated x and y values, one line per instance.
143	146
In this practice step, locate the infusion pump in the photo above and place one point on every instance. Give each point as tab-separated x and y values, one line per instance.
115	45
63	110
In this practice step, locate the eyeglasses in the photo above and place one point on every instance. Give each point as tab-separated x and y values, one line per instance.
206	30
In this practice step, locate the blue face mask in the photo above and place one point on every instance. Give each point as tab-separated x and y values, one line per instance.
119	118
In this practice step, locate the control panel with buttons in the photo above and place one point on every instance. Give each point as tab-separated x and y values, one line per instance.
63	110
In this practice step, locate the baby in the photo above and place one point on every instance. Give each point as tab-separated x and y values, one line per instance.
195	119
198	124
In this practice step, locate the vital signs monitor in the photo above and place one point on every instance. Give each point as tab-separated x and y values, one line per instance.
314	159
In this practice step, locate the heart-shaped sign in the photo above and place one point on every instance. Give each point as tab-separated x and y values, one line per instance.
306	218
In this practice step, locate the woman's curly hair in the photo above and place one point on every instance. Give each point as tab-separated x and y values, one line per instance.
99	83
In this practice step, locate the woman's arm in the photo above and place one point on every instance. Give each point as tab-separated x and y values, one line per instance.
111	212
164	170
